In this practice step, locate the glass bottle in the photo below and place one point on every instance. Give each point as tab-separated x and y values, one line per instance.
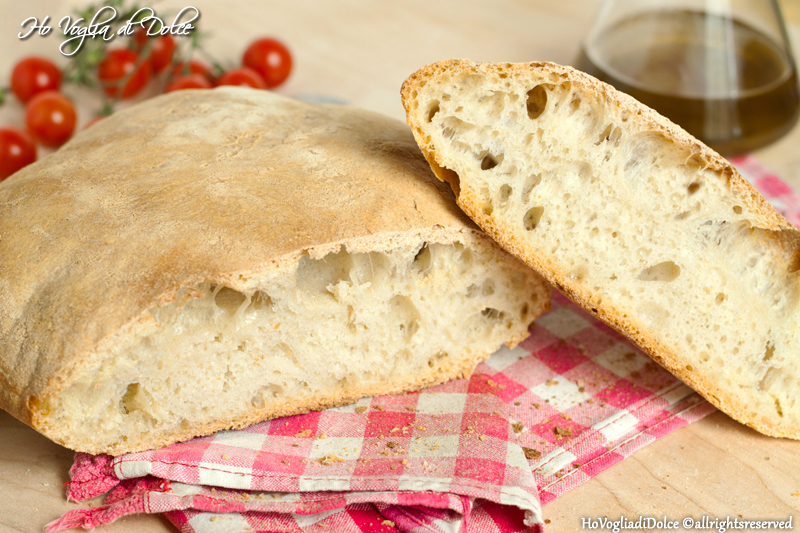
722	69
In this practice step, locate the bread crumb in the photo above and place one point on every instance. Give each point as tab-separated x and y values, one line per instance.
226	456
330	459
361	409
410	408
518	427
562	432
551	382
530	453
391	444
322	436
303	434
387	523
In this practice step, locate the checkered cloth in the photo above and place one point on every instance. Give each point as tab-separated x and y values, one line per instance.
479	454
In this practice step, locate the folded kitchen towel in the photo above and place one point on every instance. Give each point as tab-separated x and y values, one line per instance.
479	454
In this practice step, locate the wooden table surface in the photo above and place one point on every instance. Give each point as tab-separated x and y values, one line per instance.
360	52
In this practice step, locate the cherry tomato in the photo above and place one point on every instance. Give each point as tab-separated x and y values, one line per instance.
34	75
242	76
192	67
16	151
50	117
117	65
160	51
192	81
271	59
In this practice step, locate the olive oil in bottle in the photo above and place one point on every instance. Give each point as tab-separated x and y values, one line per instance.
720	79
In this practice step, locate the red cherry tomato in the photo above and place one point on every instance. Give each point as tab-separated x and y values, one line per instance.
271	59
50	117
117	65
192	67
160	51
243	76
34	75
16	151
192	81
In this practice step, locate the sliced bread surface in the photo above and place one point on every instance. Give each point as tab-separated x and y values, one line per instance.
631	217
209	259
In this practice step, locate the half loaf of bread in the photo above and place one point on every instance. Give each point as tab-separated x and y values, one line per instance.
631	217
210	259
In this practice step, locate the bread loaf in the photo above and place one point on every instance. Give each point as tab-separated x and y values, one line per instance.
209	259
631	217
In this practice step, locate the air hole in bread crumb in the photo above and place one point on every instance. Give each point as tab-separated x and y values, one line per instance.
422	261
536	101
433	109
721	297
505	193
769	351
491	313
737	209
530	182
532	217
257	401
435	358
486	200
487	289
667	271
128	403
229	299
693	188
585	170
490	161
261	300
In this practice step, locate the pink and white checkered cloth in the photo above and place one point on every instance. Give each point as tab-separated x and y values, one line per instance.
479	454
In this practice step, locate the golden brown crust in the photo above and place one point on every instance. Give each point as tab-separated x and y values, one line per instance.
144	204
687	148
